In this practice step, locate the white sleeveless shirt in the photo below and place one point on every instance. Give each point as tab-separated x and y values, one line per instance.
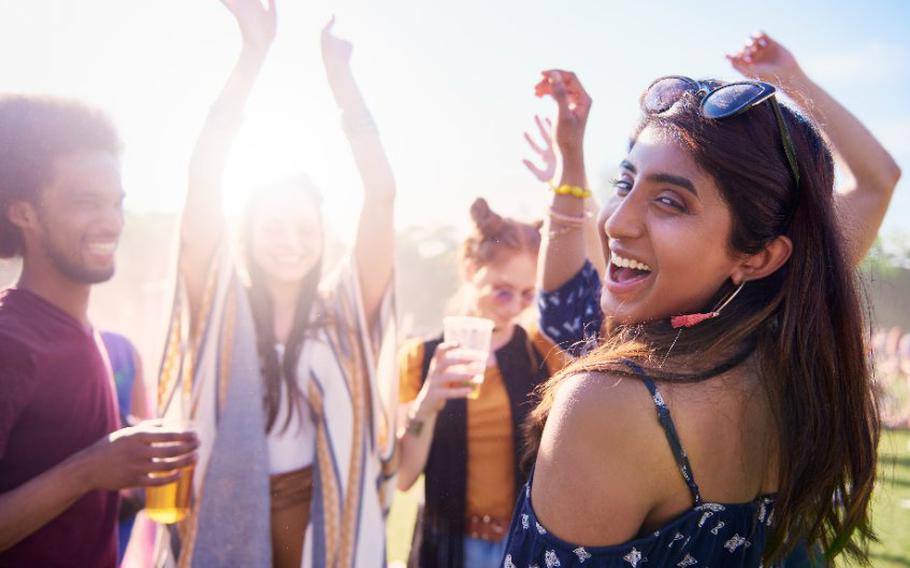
294	447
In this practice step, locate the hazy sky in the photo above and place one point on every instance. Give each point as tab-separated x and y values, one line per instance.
450	84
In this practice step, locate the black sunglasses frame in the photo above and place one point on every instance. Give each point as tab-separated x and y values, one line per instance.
706	91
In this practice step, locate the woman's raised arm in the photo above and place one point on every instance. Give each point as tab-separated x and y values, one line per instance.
202	225
374	247
863	198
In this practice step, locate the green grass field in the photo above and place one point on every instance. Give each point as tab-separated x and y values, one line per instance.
401	522
891	510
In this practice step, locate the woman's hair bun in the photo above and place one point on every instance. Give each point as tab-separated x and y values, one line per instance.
495	236
488	223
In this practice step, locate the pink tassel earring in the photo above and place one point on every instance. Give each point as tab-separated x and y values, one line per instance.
690	320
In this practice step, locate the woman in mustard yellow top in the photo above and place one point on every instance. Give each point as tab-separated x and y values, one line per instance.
470	449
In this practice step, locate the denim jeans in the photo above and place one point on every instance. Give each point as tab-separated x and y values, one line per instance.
479	553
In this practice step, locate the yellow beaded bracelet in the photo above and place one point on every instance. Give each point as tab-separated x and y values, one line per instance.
572	190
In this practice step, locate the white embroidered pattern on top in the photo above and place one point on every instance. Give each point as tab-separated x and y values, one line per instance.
633	558
582	554
687	561
704	518
735	542
762	511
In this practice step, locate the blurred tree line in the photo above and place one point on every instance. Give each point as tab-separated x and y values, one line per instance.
137	300
886	277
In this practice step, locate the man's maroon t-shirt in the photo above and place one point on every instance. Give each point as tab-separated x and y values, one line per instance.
56	398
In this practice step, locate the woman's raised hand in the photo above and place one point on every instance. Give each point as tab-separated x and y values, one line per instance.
765	59
257	22
546	152
335	50
563	256
336	57
202	225
574	106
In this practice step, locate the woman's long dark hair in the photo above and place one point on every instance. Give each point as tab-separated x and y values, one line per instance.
803	326
275	370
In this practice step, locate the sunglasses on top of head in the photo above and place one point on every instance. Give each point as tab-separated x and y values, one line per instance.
719	102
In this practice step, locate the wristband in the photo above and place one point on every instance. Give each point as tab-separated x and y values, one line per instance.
554	234
414	425
568	219
573	190
357	122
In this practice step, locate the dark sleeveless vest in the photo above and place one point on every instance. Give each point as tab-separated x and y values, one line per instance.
439	535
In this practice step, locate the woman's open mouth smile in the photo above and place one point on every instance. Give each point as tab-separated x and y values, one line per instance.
625	275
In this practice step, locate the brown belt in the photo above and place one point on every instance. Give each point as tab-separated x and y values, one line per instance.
485	528
291	494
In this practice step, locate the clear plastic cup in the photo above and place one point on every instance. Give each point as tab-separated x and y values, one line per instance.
171	503
473	336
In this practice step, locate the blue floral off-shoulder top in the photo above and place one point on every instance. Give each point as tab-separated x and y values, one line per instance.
709	535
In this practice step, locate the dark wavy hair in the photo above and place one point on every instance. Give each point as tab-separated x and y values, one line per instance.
803	325
34	131
276	370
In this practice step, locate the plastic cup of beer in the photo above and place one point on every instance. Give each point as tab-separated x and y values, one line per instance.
473	336
168	504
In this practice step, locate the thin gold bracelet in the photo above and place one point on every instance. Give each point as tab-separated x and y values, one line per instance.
569	219
556	233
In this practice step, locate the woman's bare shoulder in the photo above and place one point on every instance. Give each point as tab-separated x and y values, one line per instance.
603	460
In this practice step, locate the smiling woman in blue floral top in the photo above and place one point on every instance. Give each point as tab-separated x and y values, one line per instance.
729	401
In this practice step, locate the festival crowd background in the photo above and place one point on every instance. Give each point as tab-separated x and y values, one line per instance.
448	85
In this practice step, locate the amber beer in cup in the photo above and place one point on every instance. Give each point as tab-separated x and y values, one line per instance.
168	504
473	336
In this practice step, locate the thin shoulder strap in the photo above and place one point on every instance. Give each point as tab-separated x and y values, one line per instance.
663	414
